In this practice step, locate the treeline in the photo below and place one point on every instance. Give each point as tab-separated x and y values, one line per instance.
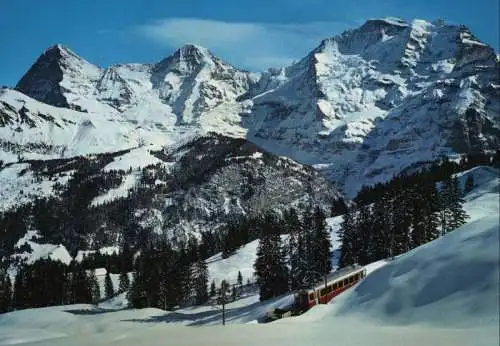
165	278
245	229
408	211
47	283
300	262
435	171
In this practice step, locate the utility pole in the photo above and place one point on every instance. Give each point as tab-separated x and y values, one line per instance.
222	300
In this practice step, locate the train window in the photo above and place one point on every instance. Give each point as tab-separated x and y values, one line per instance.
334	286
346	282
311	296
322	292
351	279
356	277
329	289
341	284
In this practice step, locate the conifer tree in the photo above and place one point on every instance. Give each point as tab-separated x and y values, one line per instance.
109	290
381	228
348	234
240	278
445	202
124	282
270	266
22	295
94	287
212	289
364	239
452	214
425	207
458	214
199	281
321	245
297	252
5	293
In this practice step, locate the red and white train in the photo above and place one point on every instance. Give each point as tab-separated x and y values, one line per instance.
336	283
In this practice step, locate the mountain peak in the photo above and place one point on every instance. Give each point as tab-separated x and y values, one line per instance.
391	23
394	21
60	52
43	80
58	47
186	59
190	49
192	53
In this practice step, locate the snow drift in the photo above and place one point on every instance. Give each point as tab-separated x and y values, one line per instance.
453	281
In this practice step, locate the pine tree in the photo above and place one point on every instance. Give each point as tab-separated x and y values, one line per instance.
94	287
348	234
212	289
321	244
364	235
240	278
382	226
109	290
299	266
270	266
445	202
401	223
22	295
458	214
5	293
124	282
308	259
452	214
425	206
199	281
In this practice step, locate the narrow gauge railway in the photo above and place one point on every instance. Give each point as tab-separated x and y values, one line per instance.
334	284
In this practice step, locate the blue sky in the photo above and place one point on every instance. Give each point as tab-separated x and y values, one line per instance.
251	34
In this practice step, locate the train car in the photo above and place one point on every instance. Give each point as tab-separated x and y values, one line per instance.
335	284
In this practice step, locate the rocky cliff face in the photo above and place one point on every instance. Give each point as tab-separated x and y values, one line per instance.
366	104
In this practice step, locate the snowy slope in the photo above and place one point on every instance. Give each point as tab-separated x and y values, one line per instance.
483	200
40	250
452	281
19	186
444	292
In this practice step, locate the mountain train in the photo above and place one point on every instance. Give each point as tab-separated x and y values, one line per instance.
335	283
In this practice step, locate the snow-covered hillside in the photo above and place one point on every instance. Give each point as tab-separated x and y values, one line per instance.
453	281
444	292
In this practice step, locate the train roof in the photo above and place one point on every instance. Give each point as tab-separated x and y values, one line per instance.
339	274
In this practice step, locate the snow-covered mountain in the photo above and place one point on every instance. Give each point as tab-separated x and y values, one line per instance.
175	91
362	106
366	104
149	192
